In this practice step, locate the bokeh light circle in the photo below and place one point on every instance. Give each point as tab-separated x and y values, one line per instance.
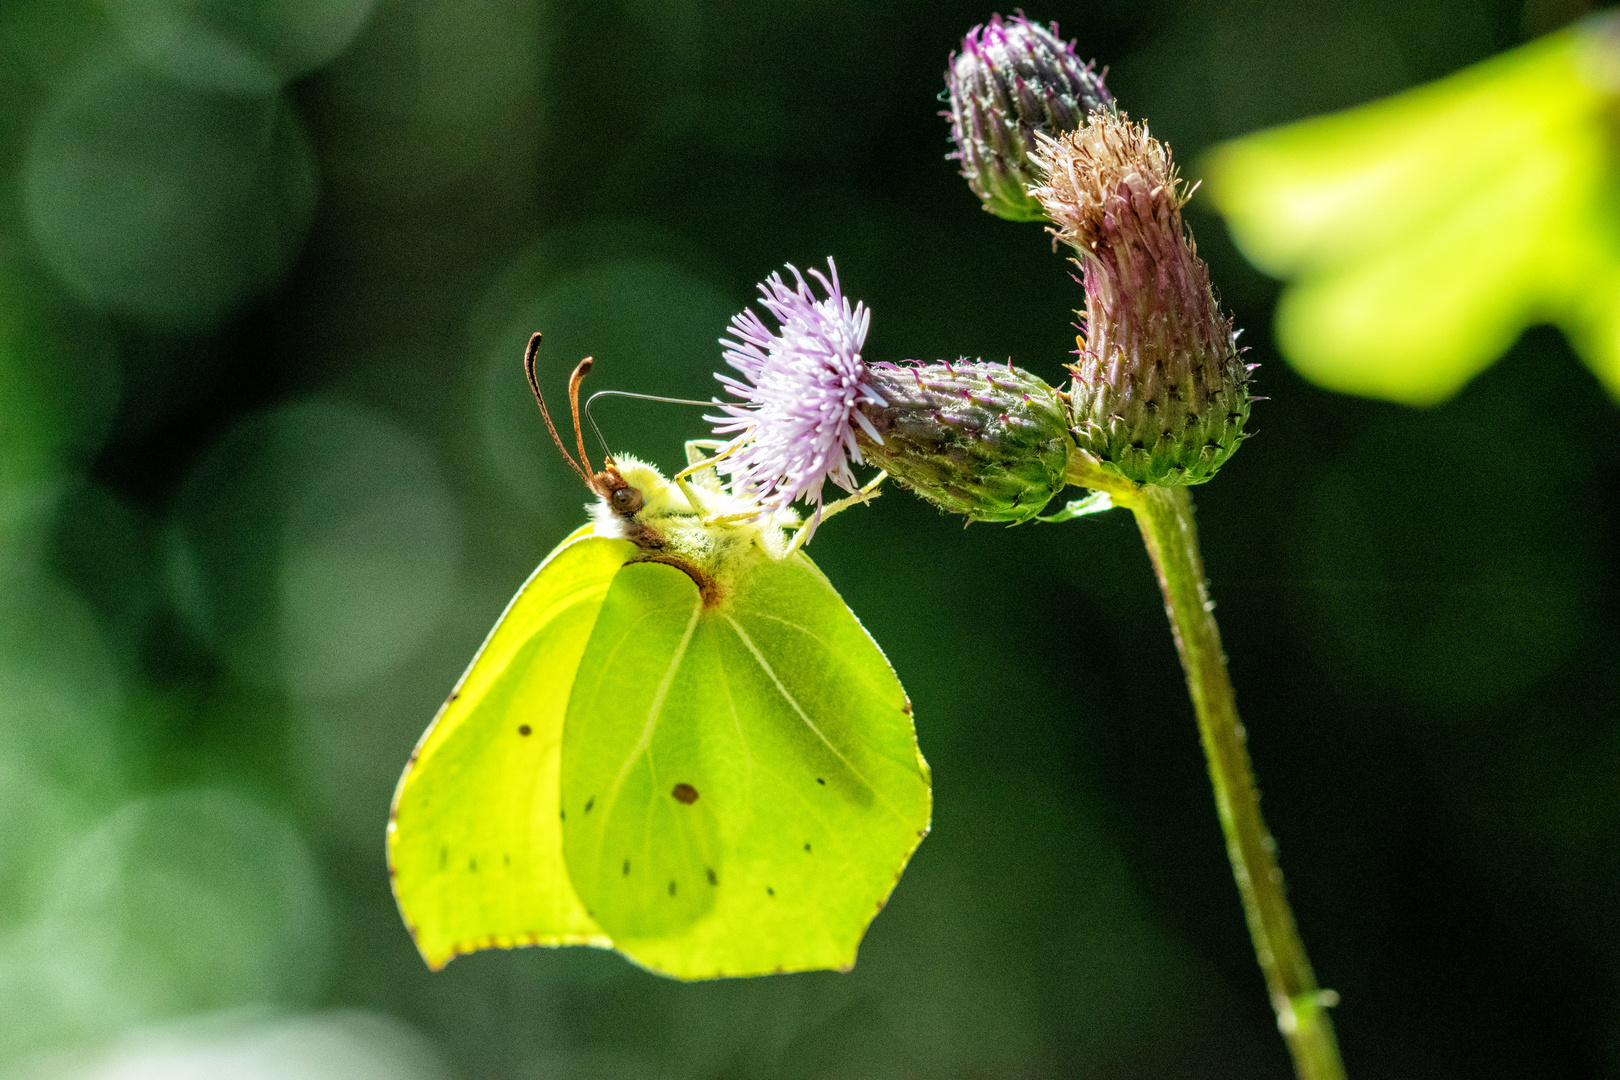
221	45
432	90
342	1045
185	902
314	546
60	684
165	202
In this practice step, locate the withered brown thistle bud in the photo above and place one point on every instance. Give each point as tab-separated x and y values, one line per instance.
1159	393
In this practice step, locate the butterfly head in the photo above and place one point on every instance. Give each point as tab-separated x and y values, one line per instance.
631	490
630	498
618	495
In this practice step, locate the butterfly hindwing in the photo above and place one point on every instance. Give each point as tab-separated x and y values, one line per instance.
474	839
751	772
638	782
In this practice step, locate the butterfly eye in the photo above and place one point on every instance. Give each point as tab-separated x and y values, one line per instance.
625	500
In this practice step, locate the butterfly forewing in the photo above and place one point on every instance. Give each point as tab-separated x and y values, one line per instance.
474	840
771	768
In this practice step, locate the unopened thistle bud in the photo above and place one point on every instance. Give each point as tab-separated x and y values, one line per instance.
1011	80
986	440
1159	393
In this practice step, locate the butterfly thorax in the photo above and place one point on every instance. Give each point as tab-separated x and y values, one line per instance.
666	528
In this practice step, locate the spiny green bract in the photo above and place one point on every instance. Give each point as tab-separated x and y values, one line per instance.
989	441
1178	433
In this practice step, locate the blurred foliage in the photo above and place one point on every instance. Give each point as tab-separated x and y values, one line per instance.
269	472
1428	230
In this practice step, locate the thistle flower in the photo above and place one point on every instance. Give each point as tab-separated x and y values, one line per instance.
1011	80
800	390
1159	394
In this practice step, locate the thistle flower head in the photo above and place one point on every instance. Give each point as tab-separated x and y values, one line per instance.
1159	393
1014	78
800	392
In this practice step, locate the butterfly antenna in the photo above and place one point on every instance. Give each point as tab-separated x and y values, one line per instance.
529	356
582	369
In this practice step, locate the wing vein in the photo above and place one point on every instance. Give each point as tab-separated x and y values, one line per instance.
653	712
759	658
742	740
789	623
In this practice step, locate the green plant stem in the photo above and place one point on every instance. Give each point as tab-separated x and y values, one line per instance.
1165	517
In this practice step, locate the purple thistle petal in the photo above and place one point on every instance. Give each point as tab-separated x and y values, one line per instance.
800	389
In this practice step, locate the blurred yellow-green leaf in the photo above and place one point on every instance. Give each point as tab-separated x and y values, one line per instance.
1423	233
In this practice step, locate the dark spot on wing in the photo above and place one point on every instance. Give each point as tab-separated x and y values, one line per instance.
562	815
821	781
906	708
712	879
444	857
506	860
769	891
590	802
453	695
685	793
672	886
472	864
627	867
807	845
524	729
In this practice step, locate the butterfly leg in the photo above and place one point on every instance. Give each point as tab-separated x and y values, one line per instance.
698	463
698	450
866	494
702	454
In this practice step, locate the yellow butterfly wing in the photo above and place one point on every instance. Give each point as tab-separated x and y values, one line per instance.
474	840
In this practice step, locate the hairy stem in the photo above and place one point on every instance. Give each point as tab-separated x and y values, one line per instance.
1165	517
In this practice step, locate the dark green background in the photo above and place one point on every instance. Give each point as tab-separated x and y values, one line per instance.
269	470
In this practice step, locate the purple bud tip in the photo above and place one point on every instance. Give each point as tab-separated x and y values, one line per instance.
1012	79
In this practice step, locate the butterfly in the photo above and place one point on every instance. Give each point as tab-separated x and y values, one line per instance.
677	742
